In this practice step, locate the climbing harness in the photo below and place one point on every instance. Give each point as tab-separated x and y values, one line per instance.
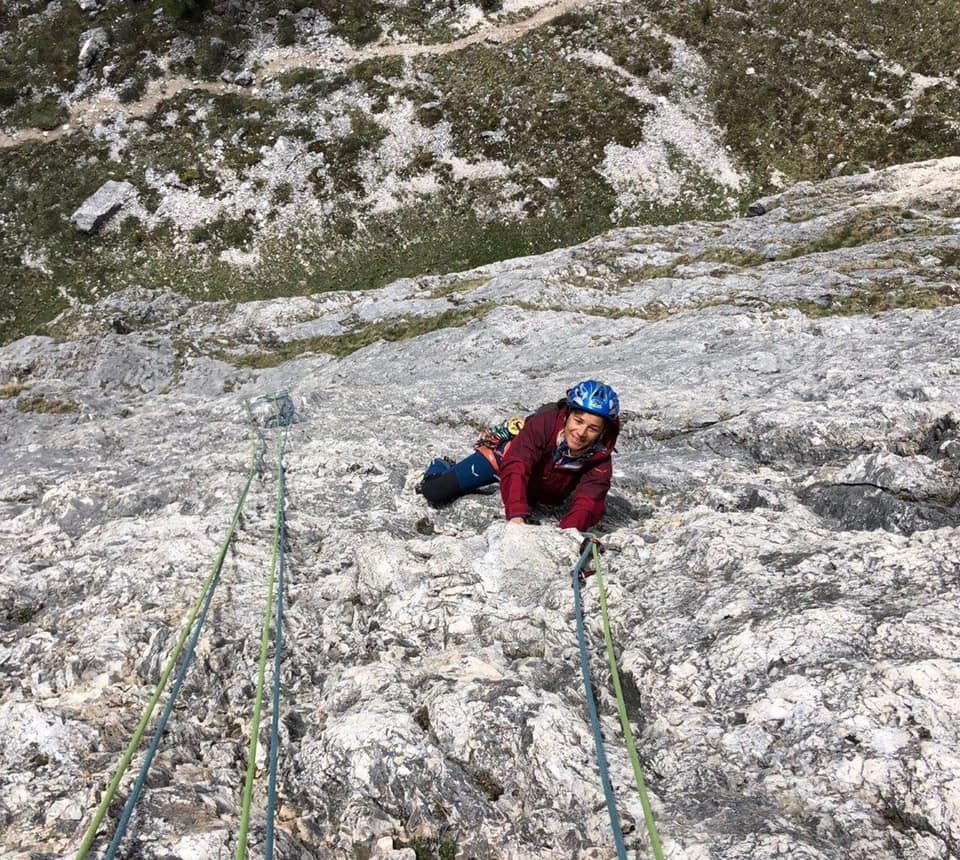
494	442
182	655
579	576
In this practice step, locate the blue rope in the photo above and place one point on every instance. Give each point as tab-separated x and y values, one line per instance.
285	419
592	708
141	780
161	725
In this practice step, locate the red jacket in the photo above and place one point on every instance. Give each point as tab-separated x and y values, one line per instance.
529	475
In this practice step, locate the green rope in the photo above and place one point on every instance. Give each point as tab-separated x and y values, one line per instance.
131	749
262	666
622	709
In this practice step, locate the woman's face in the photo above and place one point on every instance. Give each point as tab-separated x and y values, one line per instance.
581	430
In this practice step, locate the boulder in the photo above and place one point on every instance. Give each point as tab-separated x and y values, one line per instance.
103	203
92	45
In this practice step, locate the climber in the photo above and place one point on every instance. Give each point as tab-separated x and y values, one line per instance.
564	449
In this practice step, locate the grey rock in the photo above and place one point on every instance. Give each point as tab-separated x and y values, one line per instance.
93	43
780	573
103	203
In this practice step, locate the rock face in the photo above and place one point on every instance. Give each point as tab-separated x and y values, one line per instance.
92	45
781	569
100	205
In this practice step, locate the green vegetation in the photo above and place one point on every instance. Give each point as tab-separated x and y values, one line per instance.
40	187
41	404
489	784
801	91
316	82
22	614
11	389
884	294
223	232
190	9
398	328
421	716
434	849
42	53
868	224
546	115
464	285
804	88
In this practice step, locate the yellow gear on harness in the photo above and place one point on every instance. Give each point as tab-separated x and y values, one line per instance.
514	425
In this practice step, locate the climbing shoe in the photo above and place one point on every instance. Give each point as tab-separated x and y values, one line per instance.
438	466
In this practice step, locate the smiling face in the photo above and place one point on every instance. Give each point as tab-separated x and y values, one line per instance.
581	430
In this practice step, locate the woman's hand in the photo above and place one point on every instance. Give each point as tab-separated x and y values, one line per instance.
521	520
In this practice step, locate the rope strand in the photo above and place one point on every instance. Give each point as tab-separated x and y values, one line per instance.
622	710
264	647
128	754
592	708
277	654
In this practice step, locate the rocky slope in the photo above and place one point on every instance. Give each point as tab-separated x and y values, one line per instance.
286	147
781	566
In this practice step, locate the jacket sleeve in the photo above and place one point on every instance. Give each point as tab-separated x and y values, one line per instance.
522	457
589	498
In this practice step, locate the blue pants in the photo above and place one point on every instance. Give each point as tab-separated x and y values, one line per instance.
443	483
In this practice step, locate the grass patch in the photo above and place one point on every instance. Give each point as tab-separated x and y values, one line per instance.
742	258
316	82
539	112
41	185
45	113
652	312
455	286
433	849
489	785
215	133
43	405
400	328
11	389
888	294
357	23
42	53
223	232
22	614
343	154
382	255
820	88
868	225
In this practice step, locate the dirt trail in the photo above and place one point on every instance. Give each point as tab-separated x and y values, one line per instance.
87	113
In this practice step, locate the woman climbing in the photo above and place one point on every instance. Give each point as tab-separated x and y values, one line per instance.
563	451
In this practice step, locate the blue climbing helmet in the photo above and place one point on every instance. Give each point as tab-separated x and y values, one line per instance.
594	397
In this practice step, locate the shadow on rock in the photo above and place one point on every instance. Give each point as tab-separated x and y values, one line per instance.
864	507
